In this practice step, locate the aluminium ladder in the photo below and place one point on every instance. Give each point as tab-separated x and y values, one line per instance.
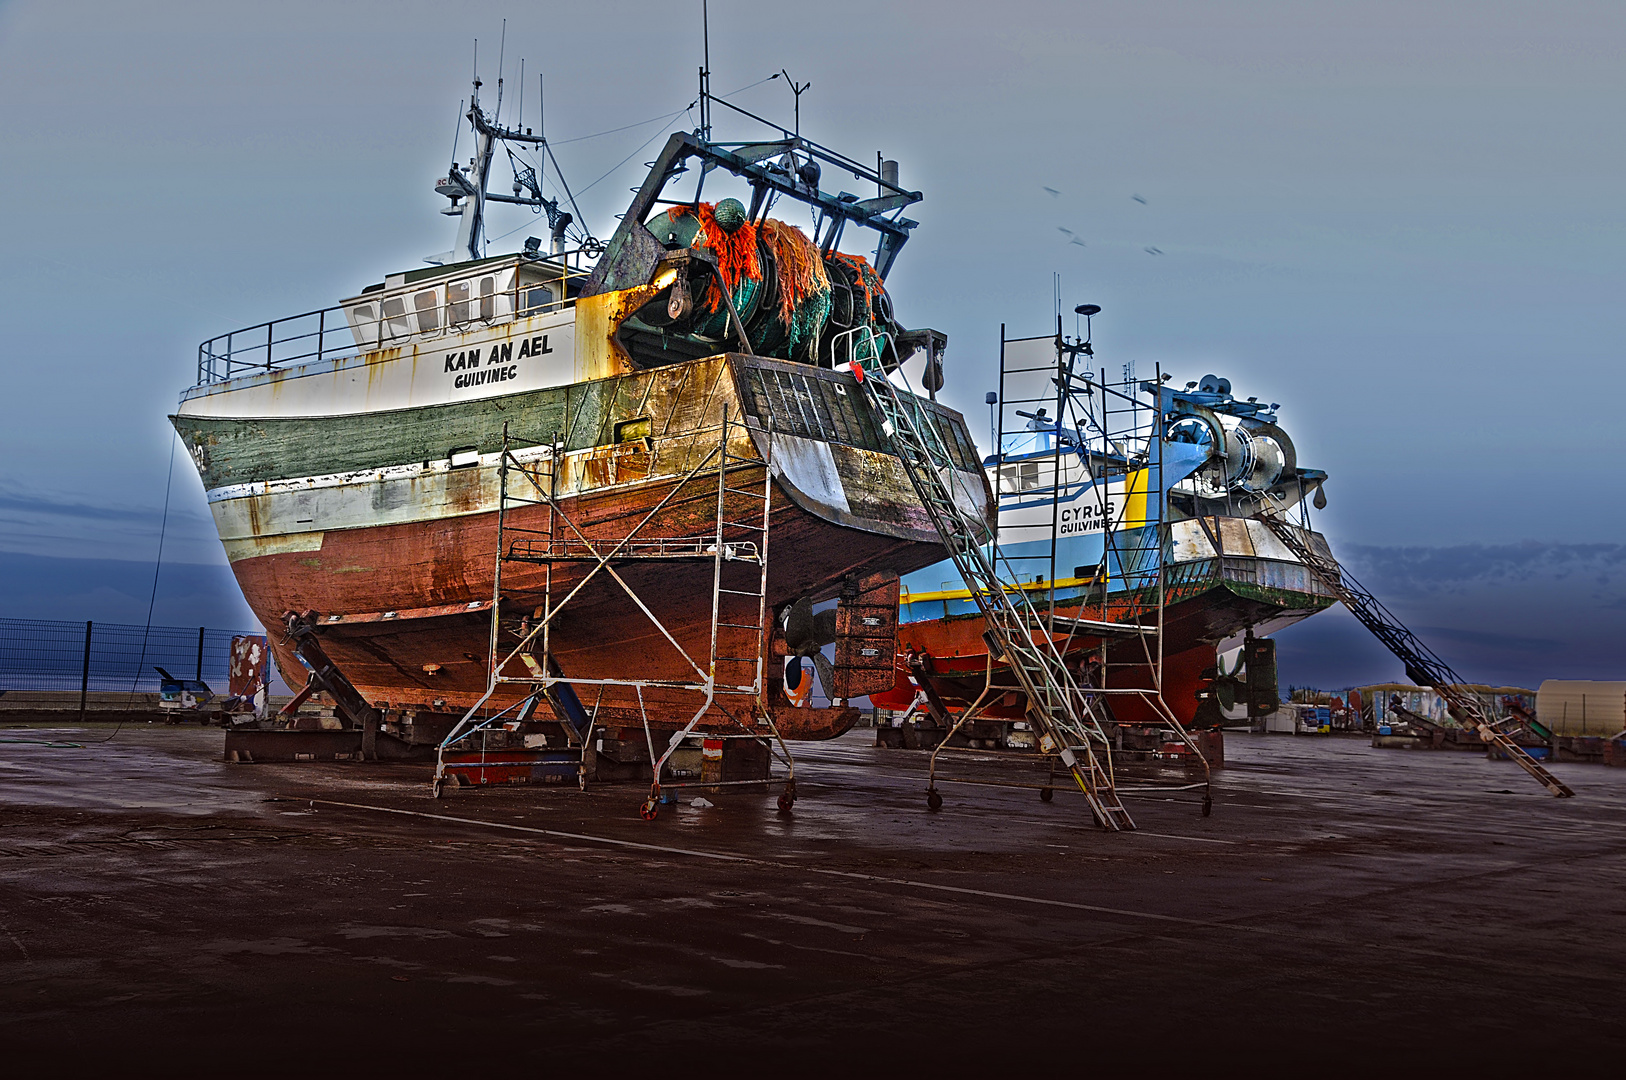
1423	666
1063	716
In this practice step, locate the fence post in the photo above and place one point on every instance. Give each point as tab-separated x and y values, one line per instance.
84	675
200	655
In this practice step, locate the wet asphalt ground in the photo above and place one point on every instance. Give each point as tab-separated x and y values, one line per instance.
1344	911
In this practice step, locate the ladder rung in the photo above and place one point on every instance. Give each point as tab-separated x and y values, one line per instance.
740	592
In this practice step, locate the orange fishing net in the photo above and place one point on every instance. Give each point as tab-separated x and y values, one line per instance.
864	276
736	251
801	270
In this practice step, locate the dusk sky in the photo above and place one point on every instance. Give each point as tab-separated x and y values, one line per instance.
1402	221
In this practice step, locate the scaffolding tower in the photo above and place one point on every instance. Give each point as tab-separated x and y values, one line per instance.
1076	455
725	687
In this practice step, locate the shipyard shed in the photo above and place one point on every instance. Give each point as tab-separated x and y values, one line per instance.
1581	707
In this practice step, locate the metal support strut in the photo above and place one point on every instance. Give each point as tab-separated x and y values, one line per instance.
1423	665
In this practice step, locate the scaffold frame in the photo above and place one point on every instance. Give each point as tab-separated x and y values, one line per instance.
1115	439
728	680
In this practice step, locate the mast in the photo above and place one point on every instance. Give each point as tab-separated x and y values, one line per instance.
469	190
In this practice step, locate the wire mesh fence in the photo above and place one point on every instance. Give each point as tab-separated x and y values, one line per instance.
41	655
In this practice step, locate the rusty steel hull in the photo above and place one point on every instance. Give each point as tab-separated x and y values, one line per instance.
388	529
1209	606
421	635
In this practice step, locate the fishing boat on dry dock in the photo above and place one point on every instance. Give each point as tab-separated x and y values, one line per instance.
578	481
1131	514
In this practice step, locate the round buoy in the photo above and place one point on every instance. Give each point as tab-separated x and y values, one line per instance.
730	214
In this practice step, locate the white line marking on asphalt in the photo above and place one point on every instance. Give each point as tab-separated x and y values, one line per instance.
848	874
1193	839
543	832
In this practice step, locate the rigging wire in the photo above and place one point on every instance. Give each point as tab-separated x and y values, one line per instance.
638	151
652	119
567	192
158	566
547	146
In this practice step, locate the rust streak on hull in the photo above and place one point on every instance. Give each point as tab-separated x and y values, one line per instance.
446	566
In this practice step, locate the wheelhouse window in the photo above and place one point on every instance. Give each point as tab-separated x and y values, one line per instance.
427	304
1018	477
538	296
363	323
488	298
457	303
395	318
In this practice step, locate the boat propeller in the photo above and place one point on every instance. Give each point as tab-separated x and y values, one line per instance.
806	633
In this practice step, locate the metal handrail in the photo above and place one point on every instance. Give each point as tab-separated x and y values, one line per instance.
297	339
661	547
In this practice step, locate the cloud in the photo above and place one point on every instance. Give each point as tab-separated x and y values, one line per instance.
1515	613
34	504
1461	565
1486	639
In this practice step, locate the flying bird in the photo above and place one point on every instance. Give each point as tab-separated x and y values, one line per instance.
1054	194
1138	199
1153	251
1076	240
1069	232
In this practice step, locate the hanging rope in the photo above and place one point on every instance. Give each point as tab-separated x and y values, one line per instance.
152	598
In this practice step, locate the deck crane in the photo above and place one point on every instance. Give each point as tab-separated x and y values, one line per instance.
1423	665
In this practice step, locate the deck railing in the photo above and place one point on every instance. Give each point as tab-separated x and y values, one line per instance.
327	334
1183	580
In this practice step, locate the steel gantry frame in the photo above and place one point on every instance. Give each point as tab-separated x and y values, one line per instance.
729	679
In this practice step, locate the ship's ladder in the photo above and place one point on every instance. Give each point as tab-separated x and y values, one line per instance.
738	549
1063	716
739	601
1423	665
541	490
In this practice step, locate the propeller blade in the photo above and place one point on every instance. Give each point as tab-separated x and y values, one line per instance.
827	673
798	626
824	627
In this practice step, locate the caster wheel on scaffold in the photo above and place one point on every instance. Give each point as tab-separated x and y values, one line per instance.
1046	794
934	801
1208	805
437	789
650	810
786	801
